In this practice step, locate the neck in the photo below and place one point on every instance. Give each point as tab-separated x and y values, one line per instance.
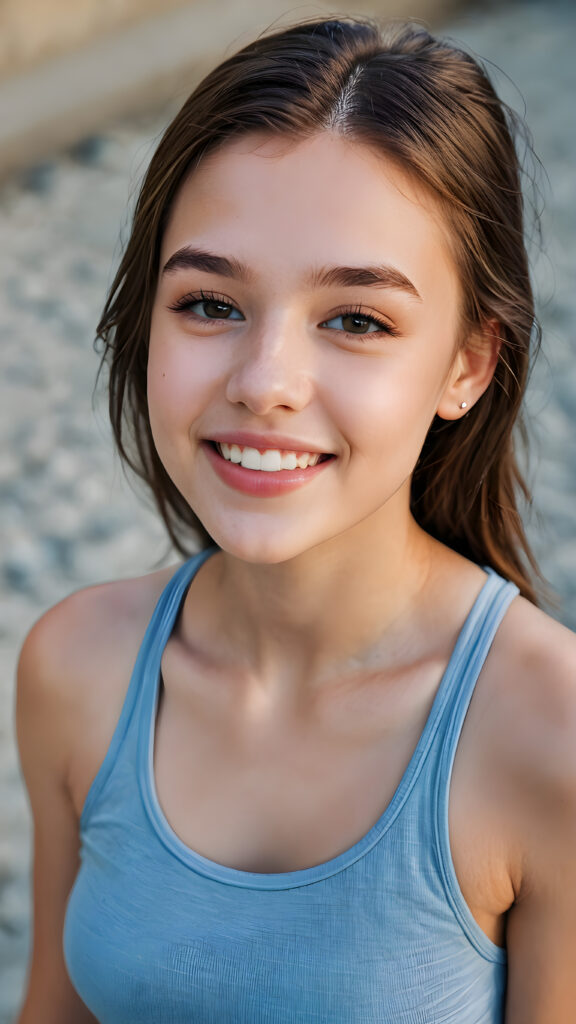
332	606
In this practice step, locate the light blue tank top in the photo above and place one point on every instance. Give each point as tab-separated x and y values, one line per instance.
157	934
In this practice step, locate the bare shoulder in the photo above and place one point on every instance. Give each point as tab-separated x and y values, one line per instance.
74	669
532	722
94	626
535	661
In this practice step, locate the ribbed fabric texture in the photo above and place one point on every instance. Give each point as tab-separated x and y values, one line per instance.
157	934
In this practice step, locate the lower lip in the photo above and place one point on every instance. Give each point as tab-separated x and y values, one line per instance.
257	481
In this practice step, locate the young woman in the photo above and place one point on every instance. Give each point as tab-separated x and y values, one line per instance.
325	770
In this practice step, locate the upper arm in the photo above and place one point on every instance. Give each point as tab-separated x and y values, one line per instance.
45	719
541	940
541	929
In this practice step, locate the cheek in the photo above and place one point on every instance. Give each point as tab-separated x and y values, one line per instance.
165	389
389	405
179	383
174	405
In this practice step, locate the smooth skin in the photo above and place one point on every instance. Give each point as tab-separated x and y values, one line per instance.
309	649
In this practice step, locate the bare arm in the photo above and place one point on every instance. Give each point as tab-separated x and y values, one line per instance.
44	720
541	934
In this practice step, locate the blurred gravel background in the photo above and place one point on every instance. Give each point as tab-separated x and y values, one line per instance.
67	517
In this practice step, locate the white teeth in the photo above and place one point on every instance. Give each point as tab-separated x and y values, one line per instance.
250	458
272	460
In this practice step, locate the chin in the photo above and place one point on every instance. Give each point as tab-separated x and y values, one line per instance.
258	552
256	546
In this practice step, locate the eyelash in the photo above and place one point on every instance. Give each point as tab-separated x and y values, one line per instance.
383	326
183	305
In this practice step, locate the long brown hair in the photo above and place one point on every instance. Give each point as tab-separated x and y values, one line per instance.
430	106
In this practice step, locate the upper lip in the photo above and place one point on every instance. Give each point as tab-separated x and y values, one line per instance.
264	442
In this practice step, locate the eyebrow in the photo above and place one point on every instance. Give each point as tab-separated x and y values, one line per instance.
188	258
372	276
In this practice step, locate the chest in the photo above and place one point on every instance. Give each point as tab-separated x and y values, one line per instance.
272	799
280	798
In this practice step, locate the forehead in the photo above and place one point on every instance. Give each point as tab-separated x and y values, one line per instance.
284	204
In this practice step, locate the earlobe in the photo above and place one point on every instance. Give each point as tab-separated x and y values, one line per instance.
471	372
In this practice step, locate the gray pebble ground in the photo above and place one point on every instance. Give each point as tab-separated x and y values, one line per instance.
66	516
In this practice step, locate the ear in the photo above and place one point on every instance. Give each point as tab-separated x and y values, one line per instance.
471	371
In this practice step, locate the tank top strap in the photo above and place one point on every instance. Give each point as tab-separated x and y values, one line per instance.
169	603
469	655
161	626
141	694
464	669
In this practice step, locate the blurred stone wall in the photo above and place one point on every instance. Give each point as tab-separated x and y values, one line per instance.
33	30
69	67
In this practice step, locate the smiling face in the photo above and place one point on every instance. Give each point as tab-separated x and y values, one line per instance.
304	334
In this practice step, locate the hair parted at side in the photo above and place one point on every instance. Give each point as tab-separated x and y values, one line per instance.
430	106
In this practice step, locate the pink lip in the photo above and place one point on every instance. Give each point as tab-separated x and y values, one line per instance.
255	482
266	441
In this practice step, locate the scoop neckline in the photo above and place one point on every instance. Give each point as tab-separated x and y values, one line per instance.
303	876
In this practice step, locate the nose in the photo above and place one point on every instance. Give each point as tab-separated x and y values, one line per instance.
273	370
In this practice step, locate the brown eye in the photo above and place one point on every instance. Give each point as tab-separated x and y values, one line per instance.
204	307
216	310
356	324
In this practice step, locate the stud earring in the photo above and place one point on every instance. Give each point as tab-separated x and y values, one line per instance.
463	405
